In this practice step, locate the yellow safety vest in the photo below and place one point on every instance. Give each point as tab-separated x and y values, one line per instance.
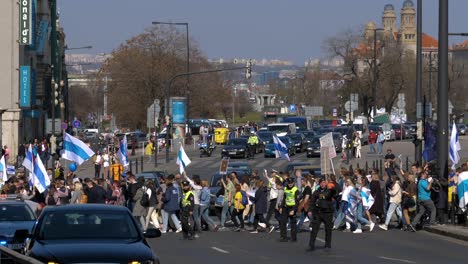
290	195
185	201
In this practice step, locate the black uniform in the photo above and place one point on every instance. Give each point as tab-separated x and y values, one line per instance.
188	204
321	206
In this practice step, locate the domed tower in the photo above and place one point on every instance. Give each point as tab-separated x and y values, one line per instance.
370	30
408	23
389	19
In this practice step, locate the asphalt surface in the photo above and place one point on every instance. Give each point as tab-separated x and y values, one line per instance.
391	246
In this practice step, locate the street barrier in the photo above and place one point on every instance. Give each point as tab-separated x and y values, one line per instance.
8	256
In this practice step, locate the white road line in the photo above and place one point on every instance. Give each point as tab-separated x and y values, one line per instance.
321	240
263	164
395	259
220	250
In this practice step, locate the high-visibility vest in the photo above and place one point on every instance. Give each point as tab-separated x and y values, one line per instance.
290	196
185	200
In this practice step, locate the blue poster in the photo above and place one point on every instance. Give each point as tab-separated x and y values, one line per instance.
25	87
178	111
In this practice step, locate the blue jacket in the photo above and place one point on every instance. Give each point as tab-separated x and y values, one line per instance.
205	196
171	200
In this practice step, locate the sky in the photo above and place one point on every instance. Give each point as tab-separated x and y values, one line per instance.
293	30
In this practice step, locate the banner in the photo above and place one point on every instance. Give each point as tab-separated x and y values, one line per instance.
25	87
25	23
178	110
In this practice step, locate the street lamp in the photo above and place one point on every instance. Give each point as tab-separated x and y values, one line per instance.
374	69
188	60
78	48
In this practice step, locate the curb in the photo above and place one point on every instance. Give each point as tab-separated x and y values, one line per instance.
447	233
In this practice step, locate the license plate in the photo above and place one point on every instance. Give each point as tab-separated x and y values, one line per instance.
232	153
14	246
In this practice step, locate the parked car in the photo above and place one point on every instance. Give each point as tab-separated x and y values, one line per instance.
155	176
313	148
14	215
309	135
264	138
270	148
299	142
88	233
236	147
399	131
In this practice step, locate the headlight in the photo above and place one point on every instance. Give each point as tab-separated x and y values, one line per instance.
240	149
298	144
224	150
142	262
309	148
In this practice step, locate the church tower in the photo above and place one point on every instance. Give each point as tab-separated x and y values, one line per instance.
408	25
389	20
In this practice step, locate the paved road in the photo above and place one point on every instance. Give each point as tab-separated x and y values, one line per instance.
393	246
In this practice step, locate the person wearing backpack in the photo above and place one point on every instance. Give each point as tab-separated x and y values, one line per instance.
153	202
240	201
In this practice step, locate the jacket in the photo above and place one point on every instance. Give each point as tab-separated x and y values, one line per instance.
97	194
322	201
395	193
205	196
138	209
260	200
153	199
171	200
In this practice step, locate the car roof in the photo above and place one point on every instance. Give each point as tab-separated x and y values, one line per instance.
85	207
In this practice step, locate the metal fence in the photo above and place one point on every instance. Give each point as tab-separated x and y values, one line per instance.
8	256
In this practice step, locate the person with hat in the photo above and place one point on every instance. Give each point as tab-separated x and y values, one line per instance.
289	210
252	144
187	206
321	210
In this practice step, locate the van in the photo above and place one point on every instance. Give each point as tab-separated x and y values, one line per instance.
282	129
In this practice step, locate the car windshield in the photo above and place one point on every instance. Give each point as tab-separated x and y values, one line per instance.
278	128
285	140
236	142
265	136
16	212
216	180
309	134
295	137
396	126
87	225
315	140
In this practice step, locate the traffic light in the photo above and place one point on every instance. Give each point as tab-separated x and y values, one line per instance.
248	69
56	92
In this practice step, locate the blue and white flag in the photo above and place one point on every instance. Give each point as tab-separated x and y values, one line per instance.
281	151
123	156
39	177
182	159
3	169
454	147
367	199
28	163
462	190
75	149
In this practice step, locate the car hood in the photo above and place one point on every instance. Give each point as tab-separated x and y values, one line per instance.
70	251
272	146
234	147
8	228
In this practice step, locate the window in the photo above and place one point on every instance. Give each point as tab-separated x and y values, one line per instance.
16	212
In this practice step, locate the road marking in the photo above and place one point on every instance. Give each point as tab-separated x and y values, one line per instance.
263	164
395	259
321	240
220	250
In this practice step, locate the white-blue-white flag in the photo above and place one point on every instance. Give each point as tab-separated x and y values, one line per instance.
75	149
182	159
3	169
454	147
39	177
281	150
28	163
462	189
122	154
367	199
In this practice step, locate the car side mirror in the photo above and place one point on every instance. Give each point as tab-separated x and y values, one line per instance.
152	233
21	235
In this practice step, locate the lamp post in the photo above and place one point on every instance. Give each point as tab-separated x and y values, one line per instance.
419	105
374	73
188	58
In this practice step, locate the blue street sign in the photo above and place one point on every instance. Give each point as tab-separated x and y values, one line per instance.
292	108
25	87
76	124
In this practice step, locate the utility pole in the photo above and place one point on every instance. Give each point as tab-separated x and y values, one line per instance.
419	106
442	93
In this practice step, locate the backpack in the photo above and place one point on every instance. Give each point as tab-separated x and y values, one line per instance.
245	200
145	199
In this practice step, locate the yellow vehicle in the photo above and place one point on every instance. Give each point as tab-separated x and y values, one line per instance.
221	135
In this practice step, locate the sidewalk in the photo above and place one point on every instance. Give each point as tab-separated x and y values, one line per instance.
453	231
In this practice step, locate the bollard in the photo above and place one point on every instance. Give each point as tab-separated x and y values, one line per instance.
357	166
407	164
367	168
381	169
141	162
136	166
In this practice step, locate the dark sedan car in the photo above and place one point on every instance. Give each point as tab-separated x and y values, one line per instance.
236	147
89	233
264	138
155	176
313	149
270	148
299	142
309	135
14	215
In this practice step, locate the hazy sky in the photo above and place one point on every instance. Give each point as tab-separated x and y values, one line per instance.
272	29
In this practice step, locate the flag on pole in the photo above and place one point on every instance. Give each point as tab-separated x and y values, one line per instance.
75	149
454	147
40	178
123	155
182	159
281	151
28	163
430	143
462	189
3	169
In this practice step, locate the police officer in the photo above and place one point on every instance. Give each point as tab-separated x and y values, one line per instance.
252	144
321	210
288	210
187	205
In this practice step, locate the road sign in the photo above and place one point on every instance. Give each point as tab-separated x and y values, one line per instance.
292	108
313	111
326	141
64	126
223	167
335	112
351	106
76	124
